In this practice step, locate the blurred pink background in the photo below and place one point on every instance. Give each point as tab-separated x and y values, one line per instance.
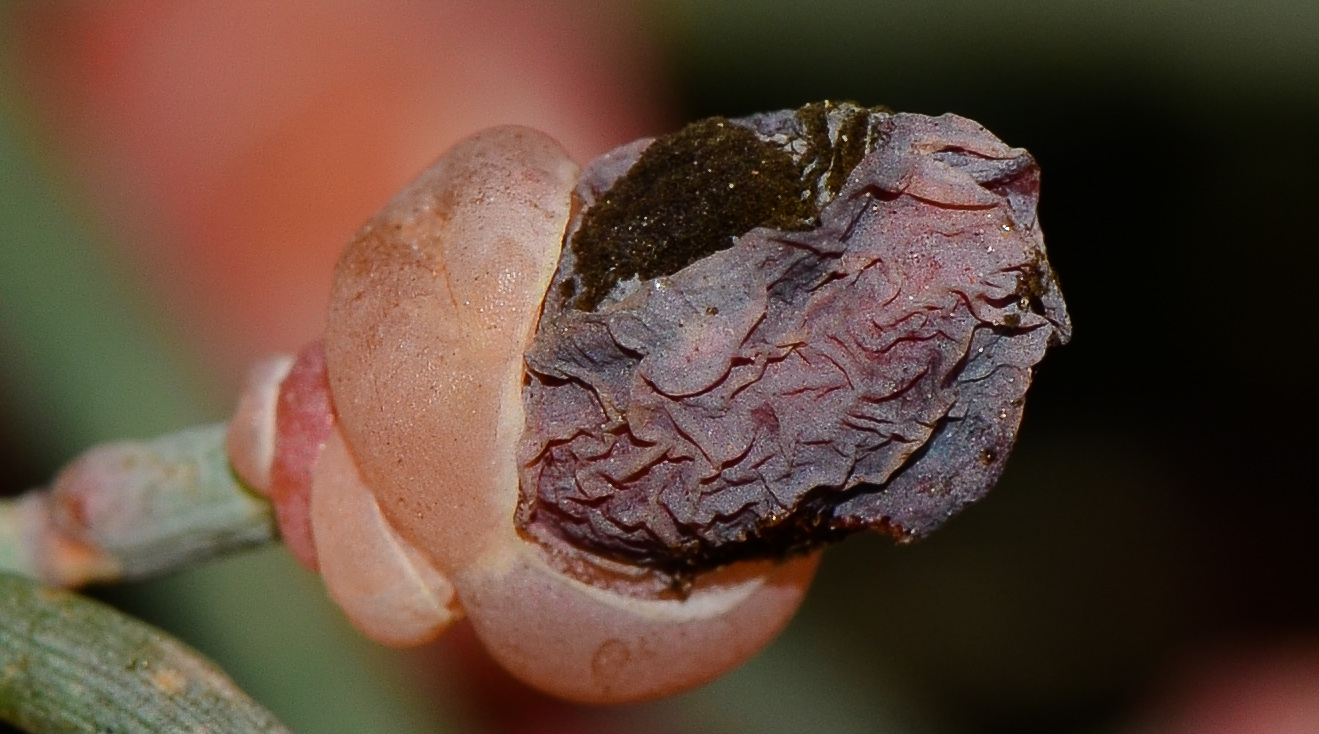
233	147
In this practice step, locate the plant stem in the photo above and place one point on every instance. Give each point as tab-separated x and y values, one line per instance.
132	510
70	664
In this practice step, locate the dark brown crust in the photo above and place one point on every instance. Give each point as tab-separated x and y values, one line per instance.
686	196
800	386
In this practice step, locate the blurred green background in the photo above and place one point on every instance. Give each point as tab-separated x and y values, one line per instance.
1159	510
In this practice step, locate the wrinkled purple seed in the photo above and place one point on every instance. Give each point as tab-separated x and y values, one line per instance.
863	368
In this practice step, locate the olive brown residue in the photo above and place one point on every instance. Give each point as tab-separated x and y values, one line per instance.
846	147
687	196
856	357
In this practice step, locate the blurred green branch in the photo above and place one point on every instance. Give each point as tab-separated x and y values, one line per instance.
70	664
123	510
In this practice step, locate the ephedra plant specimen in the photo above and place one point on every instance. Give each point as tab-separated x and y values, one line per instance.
612	414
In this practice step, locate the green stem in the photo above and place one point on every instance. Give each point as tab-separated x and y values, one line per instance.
70	664
132	510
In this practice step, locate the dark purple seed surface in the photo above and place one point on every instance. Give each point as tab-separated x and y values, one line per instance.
852	354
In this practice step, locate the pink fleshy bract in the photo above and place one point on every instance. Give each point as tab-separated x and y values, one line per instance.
304	418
